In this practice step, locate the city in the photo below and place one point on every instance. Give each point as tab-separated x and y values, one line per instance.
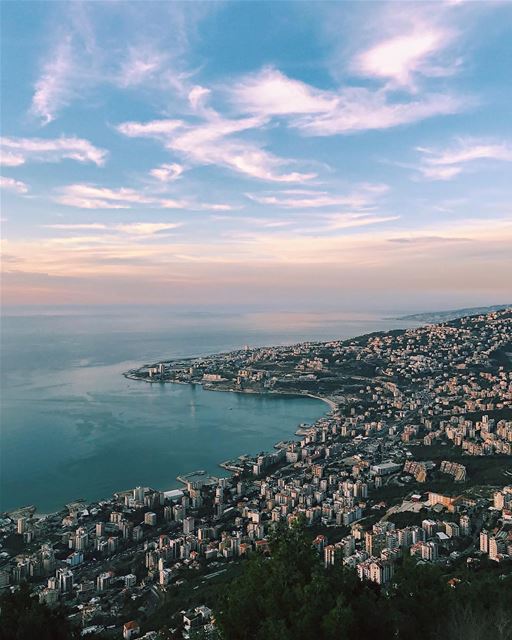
414	459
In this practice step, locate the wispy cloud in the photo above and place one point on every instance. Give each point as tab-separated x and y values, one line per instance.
270	93
89	196
402	57
93	226
8	159
361	109
13	185
427	240
140	65
351	220
312	200
17	151
147	228
167	172
445	164
267	261
147	53
54	89
363	196
144	229
325	113
211	142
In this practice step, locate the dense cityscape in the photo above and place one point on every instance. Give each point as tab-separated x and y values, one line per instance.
412	460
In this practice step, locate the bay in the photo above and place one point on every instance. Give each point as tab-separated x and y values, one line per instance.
72	426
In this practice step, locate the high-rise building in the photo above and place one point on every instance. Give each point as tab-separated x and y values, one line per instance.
429	551
465	525
21	525
48	559
484	541
138	494
81	539
150	518
497	546
130	580
112	545
188	525
103	581
65	580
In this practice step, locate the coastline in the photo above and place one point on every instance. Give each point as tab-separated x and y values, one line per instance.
208	387
281	394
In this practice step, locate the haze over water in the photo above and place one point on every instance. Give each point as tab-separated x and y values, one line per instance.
72	426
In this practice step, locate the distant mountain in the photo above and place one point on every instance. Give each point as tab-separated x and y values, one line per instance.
453	314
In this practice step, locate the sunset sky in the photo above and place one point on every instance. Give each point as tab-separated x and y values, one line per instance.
284	153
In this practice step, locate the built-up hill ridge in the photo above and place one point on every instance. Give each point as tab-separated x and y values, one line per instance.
452	314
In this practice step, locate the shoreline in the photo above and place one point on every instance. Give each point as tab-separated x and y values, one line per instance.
283	394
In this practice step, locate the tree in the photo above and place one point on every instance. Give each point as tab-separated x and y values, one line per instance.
292	596
23	617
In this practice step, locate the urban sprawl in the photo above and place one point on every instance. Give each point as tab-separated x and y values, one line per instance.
413	458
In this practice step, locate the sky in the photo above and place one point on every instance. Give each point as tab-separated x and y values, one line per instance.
291	154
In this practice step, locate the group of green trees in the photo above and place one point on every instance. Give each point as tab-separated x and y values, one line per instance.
22	617
290	595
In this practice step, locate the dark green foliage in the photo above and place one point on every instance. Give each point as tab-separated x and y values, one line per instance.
292	596
420	599
22	617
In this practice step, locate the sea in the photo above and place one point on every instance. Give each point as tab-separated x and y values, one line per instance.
73	427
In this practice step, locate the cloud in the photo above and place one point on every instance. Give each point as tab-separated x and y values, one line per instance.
311	201
440	173
267	223
140	65
152	129
270	93
147	228
351	220
361	109
468	150
197	98
336	222
401	57
50	150
76	226
445	164
83	56
53	90
427	240
167	172
212	142
13	185
266	264
89	196
377	248
8	159
131	228
362	197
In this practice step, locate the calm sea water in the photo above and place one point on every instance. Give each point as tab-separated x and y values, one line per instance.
72	426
